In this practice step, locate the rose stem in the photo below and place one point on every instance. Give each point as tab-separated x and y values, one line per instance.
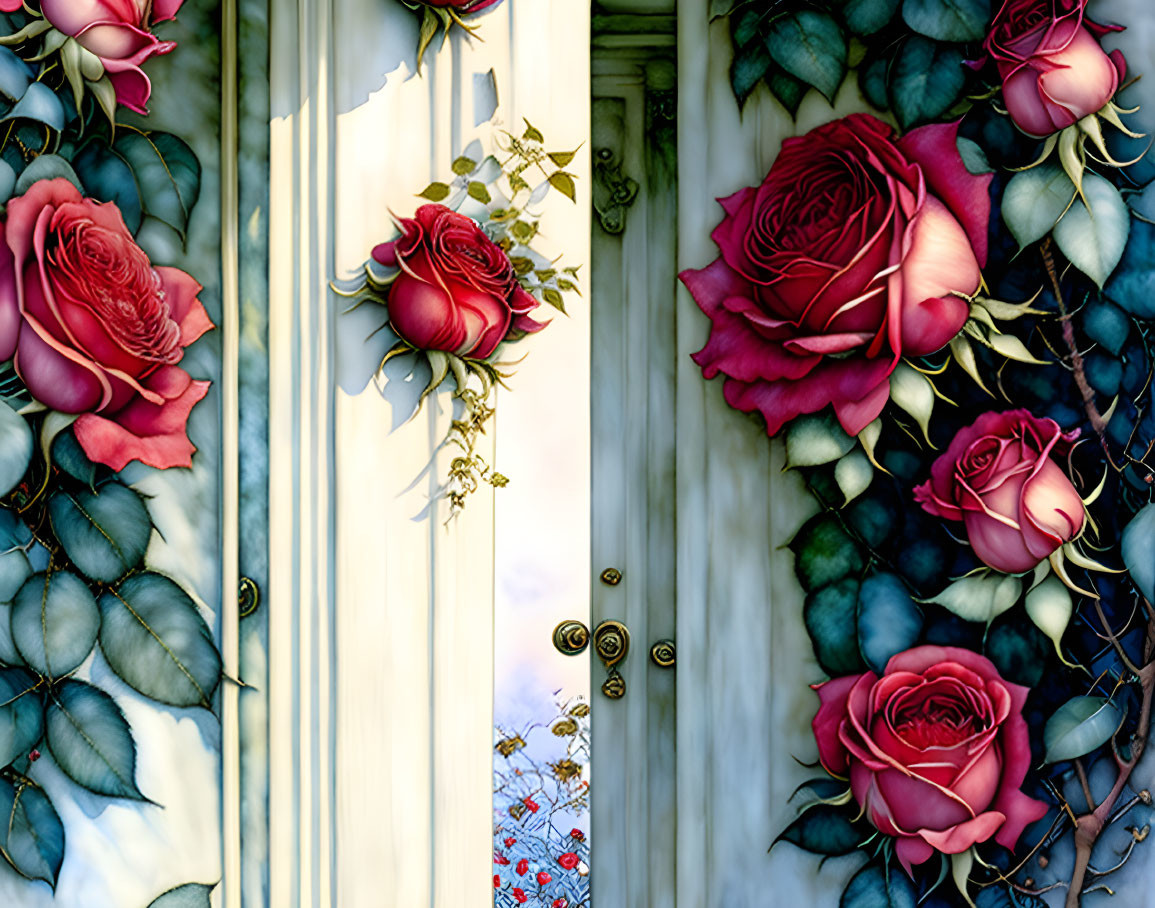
1088	394
1082	774
1090	825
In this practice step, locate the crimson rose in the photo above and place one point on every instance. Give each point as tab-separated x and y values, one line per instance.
936	750
457	291
847	257
97	329
1053	70
998	477
118	33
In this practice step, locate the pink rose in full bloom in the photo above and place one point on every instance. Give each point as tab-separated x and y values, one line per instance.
847	257
999	478
97	329
118	33
1054	71
457	291
936	750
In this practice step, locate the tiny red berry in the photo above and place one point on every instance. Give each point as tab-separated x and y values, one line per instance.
569	860
34	756
531	804
510	842
520	896
543	878
496	881
522	867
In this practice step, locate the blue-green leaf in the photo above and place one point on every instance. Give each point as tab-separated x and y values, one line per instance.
889	621
106	176
91	741
810	46
1034	200
46	167
1138	549
830	615
824	829
54	622
1094	238
926	79
155	639
105	533
1132	284
865	17
1079	726
39	104
876	887
31	834
15	74
167	173
15	448
21	714
190	895
825	552
1107	325
948	20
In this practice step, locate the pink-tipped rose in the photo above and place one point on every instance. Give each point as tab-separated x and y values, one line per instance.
97	329
936	751
457	291
1053	69
118	33
847	257
999	478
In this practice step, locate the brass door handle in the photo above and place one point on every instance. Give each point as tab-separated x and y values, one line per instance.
611	640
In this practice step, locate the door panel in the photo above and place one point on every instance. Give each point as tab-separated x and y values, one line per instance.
633	503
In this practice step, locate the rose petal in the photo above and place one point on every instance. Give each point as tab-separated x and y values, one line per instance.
961	837
833	695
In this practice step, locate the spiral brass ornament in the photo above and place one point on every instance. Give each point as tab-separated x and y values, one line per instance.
663	654
571	638
614	686
611	642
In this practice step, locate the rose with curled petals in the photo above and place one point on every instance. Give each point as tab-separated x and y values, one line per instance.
936	750
117	33
1053	69
456	291
857	249
1000	478
96	329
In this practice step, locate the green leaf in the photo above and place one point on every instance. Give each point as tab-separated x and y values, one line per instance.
854	474
554	298
877	886
91	741
167	173
190	895
865	17
435	192
815	439
889	621
948	20
531	132
105	533
788	90
463	166
981	597
1094	239
70	457
15	569
1050	607
810	46
1034	200
46	167
21	714
830	615
912	391
15	448
1138	550
54	622
564	184
155	639
32	836
1079	726
872	82
974	158
751	64
825	552
562	158
480	192
925	80
823	829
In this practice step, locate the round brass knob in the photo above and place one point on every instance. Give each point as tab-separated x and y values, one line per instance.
614	687
662	654
571	638
611	577
611	642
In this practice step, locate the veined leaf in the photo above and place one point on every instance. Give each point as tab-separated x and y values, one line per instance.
21	714
913	392
190	895
925	80
15	448
1079	726
948	20
167	172
1034	200
105	533
91	741
824	829
874	887
1138	549
1094	238
810	46
980	597
1049	606
31	834
54	622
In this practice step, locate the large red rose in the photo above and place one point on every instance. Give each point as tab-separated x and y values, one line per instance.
118	33
998	477
936	751
456	291
1054	71
97	329
847	257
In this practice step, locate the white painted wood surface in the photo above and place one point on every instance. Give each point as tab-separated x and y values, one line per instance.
381	616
